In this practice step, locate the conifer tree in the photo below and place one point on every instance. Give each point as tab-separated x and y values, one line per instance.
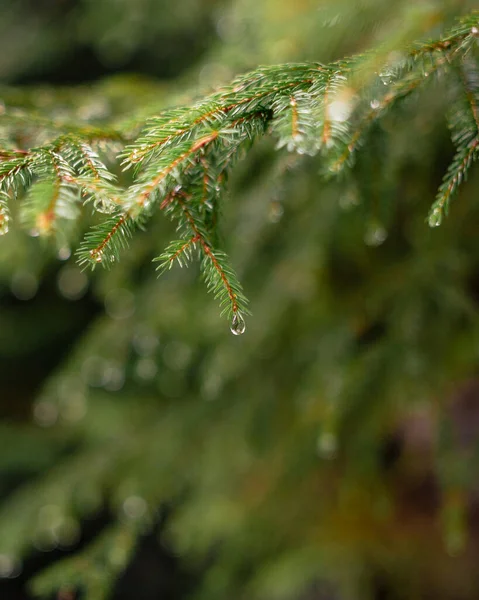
329	451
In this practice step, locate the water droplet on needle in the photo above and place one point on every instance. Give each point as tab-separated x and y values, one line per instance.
435	218
238	325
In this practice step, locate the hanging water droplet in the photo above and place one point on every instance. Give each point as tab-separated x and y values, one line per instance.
435	218
104	205
96	256
238	325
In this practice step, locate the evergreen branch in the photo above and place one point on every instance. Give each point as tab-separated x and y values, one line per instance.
15	171
95	570
406	83
180	250
104	242
219	276
182	156
464	126
456	173
4	213
470	81
224	105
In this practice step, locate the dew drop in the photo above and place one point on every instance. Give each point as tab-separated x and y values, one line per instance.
475	31
96	256
435	218
238	325
104	205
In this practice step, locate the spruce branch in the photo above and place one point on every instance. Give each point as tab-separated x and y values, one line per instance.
181	160
464	125
4	212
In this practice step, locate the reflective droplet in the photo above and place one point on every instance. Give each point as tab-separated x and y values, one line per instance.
45	413
146	369
375	235
435	218
135	507
238	325
475	31
104	205
96	256
64	253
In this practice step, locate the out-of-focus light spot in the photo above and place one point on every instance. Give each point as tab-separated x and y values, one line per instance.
64	253
146	369
145	343
72	283
50	518
275	212
67	532
213	74
115	377
93	371
9	567
45	413
341	107
211	386
349	199
119	303
327	445
44	540
375	235
24	285
134	507
176	355
97	109
73	406
49	515
225	27
99	372
375	104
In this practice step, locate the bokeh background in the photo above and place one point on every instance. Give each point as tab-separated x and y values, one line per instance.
329	453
